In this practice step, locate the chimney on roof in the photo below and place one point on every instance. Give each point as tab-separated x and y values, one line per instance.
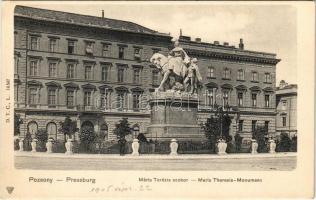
102	13
216	42
226	44
241	44
198	40
180	32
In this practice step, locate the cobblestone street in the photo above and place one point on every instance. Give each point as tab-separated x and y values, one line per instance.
280	161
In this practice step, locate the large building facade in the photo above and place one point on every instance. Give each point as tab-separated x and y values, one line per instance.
244	80
89	68
286	118
97	70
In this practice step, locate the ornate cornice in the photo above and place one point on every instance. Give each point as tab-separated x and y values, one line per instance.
233	57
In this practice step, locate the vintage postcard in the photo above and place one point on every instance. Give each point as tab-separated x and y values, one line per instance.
157	100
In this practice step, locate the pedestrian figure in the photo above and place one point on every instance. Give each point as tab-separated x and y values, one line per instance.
122	143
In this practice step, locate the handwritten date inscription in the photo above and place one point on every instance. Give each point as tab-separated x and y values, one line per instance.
121	188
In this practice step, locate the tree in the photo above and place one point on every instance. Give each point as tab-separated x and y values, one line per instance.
87	137
238	142
68	127
17	122
122	129
142	138
285	143
217	127
260	135
41	136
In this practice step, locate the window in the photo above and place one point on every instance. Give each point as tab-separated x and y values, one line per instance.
283	105
104	99
254	76
16	64
283	121
121	52
266	125
155	50
240	125
267	77
136	101
241	75
32	128
211	72
71	47
253	125
105	50
120	75
226	73
120	101
210	96
254	99
34	43
15	38
136	76
70	71
155	80
88	72
89	48
33	68
137	54
32	96
225	98
52	69
267	100
240	98
104	72
87	98
51	97
51	130
52	45
70	98
104	131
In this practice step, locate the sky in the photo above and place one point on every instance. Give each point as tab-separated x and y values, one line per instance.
267	28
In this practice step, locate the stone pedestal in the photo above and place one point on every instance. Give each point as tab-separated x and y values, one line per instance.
33	144
272	146
174	116
174	147
254	147
21	144
69	146
49	146
221	146
135	147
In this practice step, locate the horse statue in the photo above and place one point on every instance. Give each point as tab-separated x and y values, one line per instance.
173	70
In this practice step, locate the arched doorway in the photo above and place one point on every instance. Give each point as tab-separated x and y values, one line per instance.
32	128
135	130
87	125
51	129
104	131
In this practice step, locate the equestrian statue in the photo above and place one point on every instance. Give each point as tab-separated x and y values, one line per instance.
180	73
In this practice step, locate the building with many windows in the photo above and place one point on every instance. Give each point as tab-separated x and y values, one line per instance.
90	68
286	118
96	70
239	79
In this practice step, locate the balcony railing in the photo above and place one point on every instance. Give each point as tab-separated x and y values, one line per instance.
204	107
80	108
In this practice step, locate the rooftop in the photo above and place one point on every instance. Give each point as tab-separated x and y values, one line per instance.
84	20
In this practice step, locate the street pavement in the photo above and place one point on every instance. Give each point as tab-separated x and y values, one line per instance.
258	162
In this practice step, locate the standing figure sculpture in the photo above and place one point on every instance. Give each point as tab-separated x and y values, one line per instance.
193	77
